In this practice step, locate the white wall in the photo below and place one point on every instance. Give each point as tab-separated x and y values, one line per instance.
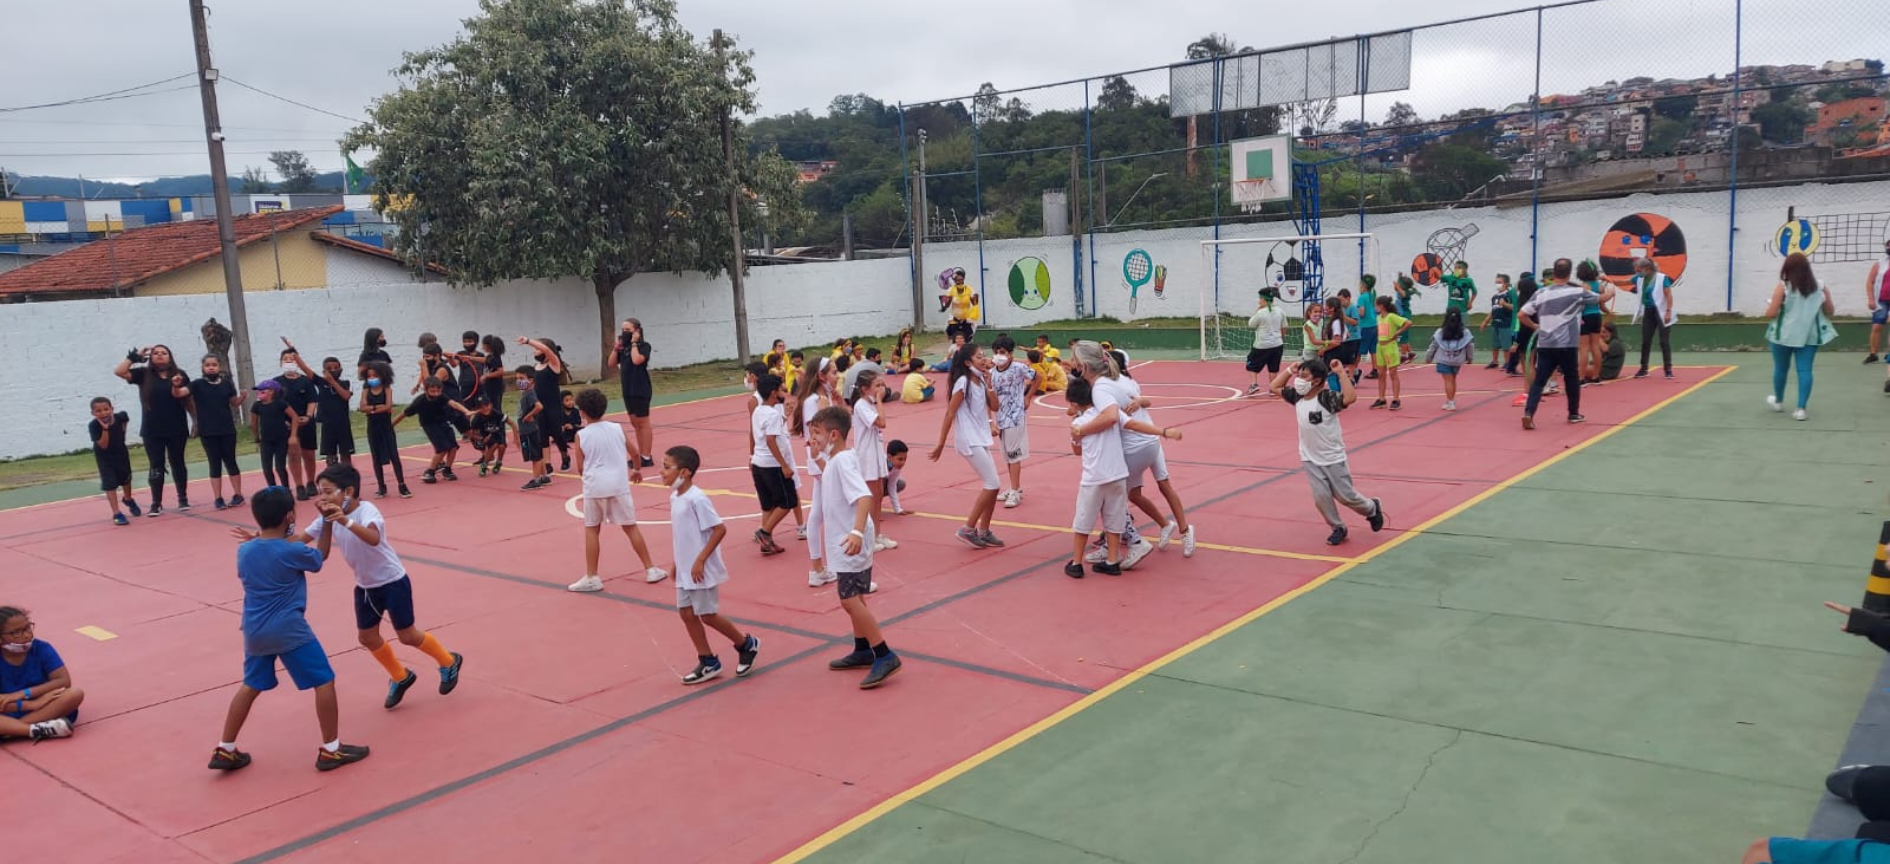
688	318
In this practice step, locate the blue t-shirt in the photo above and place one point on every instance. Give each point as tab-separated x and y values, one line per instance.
41	661
1368	311
275	595
1351	330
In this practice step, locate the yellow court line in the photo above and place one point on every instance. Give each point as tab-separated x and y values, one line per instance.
1033	730
95	632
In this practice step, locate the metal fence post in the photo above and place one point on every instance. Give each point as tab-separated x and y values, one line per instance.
1732	177
1535	160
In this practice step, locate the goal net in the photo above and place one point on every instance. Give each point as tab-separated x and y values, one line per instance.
1302	270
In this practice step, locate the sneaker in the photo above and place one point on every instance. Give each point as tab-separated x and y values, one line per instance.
1377	404
1870	359
887	543
448	474
1397	405
705	670
586	585
1073	569
1106	568
1168	534
1377	519
1528	422
133	506
800	532
768	547
1370	376
1843	781
46	730
655	575
649	462
1798	414
1253	390
1490	365
119	519
380	493
155	511
1336	537
760	536
1773	403
872	587
1577	418
1450	405
1097	554
228	760
1136	553
820	578
403	491
236	500
745	657
482	469
855	660
220	504
991	540
970	538
564	464
1669	374
531	484
429	476
344	755
183	506
1552	389
1187	542
883	668
397	690
449	675
301	493
1012	499
1642	373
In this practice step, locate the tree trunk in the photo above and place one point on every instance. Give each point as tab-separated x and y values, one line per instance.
605	284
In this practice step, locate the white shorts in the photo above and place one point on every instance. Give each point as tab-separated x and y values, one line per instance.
1150	459
1016	443
980	460
703	601
816	524
617	510
1109	500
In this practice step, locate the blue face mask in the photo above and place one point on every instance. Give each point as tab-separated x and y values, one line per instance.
373	382
524	385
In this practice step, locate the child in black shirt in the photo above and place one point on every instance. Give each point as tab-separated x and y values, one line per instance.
211	398
565	432
436	411
377	402
107	431
332	395
488	434
270	422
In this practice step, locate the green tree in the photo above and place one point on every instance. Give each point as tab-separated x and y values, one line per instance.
1213	45
255	181
1402	114
1117	94
1663	135
1783	122
1446	171
562	138
1680	107
292	166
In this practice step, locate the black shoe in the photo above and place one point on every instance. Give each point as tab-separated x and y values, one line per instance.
1843	781
397	690
1337	537
1670	374
133	505
403	491
883	668
156	509
855	660
381	492
236	500
704	671
745	657
1642	373
183	505
649	462
1870	359
1107	569
348	753
449	675
1074	569
448	474
301	493
429	476
228	760
1577	418
1377	519
222	504
564	464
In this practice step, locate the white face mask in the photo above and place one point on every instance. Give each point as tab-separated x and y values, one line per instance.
291	370
749	386
681	481
18	647
1302	386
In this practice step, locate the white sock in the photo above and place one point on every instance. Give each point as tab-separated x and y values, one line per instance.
227	745
332	746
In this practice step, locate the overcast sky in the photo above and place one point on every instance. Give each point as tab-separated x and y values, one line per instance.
336	55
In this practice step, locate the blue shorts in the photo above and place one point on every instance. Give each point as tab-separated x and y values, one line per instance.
1881	314
1368	341
1500	338
1447	369
1785	850
393	600
308	668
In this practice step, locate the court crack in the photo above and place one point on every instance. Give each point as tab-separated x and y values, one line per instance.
1408	794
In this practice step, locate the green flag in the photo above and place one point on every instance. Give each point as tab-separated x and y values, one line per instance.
353	178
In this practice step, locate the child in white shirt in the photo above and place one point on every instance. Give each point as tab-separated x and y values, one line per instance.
696	539
604	456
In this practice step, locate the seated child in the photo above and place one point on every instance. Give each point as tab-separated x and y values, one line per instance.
37	699
916	388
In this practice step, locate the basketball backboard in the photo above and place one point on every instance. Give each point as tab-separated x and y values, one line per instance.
1262	170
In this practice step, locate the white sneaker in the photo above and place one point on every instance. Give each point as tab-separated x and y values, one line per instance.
1773	403
655	575
1450	405
1096	554
1011	498
881	544
58	727
817	579
586	585
872	587
1187	543
1168	533
1136	553
1798	414
801	533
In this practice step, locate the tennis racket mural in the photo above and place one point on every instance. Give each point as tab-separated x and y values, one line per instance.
1138	270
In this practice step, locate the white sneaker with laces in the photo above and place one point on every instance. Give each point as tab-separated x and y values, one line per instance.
1009	498
655	575
801	532
824	577
1096	555
1773	403
1187	543
58	727
586	585
1798	414
1168	534
1136	553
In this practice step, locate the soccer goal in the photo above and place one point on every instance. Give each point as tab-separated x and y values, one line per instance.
1303	270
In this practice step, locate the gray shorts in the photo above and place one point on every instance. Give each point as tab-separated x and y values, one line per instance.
1016	443
1109	500
855	584
703	601
1146	459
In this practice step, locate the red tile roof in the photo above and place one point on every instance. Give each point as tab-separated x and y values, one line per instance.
341	242
141	254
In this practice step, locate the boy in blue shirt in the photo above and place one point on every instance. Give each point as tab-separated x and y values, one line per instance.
274	571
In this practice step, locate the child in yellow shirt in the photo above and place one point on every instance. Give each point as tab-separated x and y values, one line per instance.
1051	377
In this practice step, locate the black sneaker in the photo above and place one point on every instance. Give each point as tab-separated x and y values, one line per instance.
346	754
649	462
448	474
1577	418
1337	537
883	668
564	464
1074	569
1377	520
403	491
381	492
428	476
449	675
236	500
301	493
222	504
397	690
1107	569
133	505
1870	359
183	505
1670	374
745	657
855	660
156	510
704	671
228	760
1641	374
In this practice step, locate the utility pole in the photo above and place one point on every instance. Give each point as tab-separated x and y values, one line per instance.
735	275
220	187
1076	222
918	241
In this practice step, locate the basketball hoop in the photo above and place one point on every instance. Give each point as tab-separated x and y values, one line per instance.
1252	195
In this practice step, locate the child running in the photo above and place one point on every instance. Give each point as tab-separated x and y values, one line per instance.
1391	330
868	428
107	430
377	402
604	456
968	421
274	570
1452	348
768	462
848	537
697	541
1013	382
1322	441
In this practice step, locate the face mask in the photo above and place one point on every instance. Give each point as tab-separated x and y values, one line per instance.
1002	360
1302	386
524	385
539	357
680	482
383	343
18	647
373	382
291	370
748	385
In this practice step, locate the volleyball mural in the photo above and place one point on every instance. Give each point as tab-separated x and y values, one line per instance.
1642	235
1831	237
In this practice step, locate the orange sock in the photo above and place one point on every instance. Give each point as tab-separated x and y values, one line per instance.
437	651
396	671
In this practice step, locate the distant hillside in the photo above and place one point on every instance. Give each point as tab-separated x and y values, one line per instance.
165	187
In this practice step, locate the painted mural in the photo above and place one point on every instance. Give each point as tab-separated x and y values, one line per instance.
1642	235
1029	283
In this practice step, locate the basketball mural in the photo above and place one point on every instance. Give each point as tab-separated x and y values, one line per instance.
1642	235
1030	284
1442	250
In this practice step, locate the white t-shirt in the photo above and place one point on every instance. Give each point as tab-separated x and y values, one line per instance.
1102	451
1269	325
971	426
809	407
1321	443
373	566
767	423
1132	441
841	488
606	460
692	518
865	434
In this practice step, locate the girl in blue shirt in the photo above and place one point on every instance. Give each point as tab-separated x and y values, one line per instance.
37	699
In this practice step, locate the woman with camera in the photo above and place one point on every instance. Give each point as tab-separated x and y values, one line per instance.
632	359
164	394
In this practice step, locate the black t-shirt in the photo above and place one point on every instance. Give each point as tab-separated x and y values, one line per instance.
165	415
526	402
490	426
635	377
272	420
213	406
430	410
375	356
494	388
1523	293
113	454
297	392
331	406
545	384
469	371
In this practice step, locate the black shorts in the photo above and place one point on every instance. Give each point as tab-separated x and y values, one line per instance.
112	476
337	441
636	406
305	437
1265	359
775	491
1523	335
855	584
529	445
440	436
1591	324
393	600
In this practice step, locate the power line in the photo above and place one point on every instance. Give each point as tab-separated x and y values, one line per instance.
110	95
291	101
197	126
